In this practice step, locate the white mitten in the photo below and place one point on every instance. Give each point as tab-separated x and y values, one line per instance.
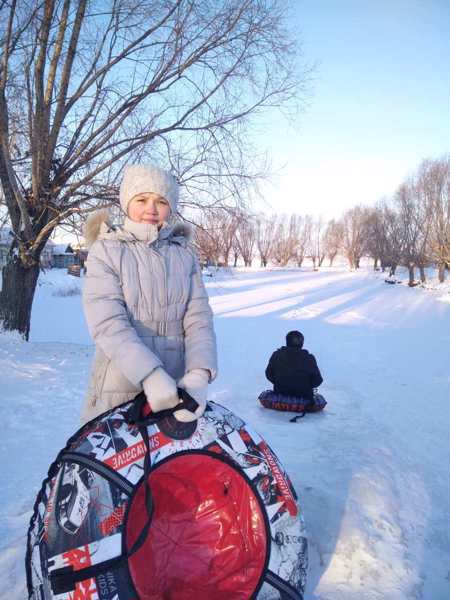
161	390
195	382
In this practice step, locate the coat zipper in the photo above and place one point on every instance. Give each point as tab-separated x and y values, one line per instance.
166	291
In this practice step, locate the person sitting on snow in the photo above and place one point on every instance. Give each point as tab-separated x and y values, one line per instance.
293	370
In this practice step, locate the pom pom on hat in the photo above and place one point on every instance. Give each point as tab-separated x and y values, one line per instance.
140	179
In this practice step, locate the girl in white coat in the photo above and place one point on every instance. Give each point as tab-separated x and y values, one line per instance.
145	303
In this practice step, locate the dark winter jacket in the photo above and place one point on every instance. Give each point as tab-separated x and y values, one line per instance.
293	372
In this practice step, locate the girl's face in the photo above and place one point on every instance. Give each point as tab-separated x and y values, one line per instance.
148	208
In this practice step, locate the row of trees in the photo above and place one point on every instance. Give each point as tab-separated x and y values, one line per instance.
411	229
225	235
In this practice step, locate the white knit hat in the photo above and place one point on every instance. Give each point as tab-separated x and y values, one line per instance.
139	179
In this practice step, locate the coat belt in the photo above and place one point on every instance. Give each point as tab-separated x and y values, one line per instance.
158	328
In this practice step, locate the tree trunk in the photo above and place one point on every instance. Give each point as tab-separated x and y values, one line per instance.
226	257
441	272
411	275
375	264
423	277
16	296
236	256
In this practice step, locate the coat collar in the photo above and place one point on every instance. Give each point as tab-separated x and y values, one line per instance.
99	227
143	232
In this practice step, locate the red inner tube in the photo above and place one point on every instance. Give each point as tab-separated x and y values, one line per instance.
207	538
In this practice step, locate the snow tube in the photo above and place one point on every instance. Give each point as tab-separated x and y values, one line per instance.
271	399
151	509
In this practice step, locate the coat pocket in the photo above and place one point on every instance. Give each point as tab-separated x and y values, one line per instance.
114	382
101	377
98	375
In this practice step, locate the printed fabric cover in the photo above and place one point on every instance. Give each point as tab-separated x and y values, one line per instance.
166	510
276	401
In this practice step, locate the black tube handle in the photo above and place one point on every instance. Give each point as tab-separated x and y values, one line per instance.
135	414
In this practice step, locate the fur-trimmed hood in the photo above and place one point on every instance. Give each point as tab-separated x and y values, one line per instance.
99	226
97	222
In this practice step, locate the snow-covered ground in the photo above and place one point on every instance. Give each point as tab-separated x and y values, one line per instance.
372	470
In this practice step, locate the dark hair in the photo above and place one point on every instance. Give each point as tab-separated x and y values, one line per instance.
295	338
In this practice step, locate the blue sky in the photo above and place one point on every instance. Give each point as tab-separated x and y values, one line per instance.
380	103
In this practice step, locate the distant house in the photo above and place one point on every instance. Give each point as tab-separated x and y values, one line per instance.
59	256
81	253
47	254
63	256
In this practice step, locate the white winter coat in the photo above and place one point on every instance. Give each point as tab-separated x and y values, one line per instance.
146	306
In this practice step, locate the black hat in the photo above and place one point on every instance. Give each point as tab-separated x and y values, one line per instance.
295	338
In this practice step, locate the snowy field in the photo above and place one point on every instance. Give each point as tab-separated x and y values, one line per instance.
372	470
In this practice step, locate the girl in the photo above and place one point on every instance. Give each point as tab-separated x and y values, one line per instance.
145	303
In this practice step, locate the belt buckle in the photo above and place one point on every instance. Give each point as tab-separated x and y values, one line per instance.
162	328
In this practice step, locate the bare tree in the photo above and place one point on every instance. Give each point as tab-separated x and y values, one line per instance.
354	241
206	242
392	237
316	248
223	224
285	240
265	229
377	243
280	247
86	86
215	234
332	240
228	236
235	250
434	181
414	227
246	235
383	236
302	232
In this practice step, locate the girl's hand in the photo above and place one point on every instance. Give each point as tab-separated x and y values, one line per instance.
195	382
161	390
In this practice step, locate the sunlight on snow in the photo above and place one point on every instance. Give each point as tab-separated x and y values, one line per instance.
378	530
260	308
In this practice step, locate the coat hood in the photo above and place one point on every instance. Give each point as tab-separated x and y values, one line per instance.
99	226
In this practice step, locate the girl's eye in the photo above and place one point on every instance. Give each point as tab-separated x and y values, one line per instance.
162	202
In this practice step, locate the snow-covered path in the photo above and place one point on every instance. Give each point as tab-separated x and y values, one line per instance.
372	471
